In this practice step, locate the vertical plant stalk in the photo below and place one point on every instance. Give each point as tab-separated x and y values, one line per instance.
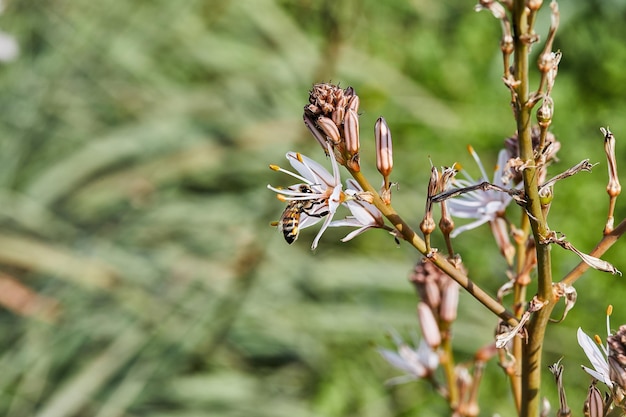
533	348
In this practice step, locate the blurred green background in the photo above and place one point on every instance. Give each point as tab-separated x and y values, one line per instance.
138	272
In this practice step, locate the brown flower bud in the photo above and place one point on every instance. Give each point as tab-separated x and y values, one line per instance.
594	404
338	115
384	150
351	132
354	102
426	277
330	129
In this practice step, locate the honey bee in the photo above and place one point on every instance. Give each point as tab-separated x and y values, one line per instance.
289	222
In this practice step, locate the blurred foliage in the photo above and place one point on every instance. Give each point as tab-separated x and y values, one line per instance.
138	274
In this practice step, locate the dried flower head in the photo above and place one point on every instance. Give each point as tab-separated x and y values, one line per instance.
326	99
546	155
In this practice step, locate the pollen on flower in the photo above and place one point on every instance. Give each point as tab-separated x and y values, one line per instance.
281	197
274	167
299	156
609	310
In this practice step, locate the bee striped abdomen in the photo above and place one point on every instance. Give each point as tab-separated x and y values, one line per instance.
289	222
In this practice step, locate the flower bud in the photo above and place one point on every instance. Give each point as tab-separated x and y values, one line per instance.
321	139
351	132
384	150
594	405
428	324
449	301
338	115
353	103
426	277
329	128
534	5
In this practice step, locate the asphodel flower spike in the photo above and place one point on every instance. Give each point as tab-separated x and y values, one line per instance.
384	156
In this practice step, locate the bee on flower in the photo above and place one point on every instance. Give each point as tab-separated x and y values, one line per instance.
317	197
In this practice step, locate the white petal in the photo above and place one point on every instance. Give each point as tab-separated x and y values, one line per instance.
503	158
469	226
595	356
310	169
355	233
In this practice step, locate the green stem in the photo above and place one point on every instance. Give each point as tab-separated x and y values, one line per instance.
448	366
532	349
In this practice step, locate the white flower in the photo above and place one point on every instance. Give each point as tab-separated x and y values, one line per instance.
484	206
323	189
597	357
364	215
417	363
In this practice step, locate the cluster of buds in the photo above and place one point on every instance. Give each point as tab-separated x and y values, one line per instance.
332	116
617	363
439	298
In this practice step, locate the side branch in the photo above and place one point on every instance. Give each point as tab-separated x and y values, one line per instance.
410	236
